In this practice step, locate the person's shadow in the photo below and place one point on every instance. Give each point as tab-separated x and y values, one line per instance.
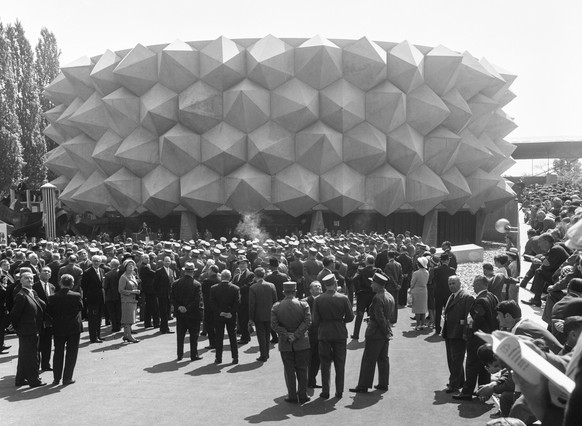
284	410
364	400
23	393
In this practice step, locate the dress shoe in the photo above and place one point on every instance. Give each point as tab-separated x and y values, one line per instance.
218	361
5	348
359	390
262	359
235	361
315	386
463	397
451	390
324	395
68	382
56	382
274	340
4	352
304	400
354	337
203	333
18	384
532	302
37	385
210	347
180	357
195	358
339	395
97	341
242	342
47	368
291	400
381	387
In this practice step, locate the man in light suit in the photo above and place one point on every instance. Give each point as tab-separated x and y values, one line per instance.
163	280
291	318
331	312
186	297
378	335
27	316
65	308
262	297
456	310
92	285
44	289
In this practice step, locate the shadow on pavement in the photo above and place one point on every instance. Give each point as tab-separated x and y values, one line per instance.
415	333
164	367
364	400
355	344
246	367
284	410
434	338
473	409
441	397
252	350
11	393
207	369
8	358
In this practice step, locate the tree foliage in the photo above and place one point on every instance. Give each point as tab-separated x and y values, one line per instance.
10	131
569	171
28	108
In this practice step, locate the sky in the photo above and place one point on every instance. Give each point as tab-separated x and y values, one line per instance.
536	40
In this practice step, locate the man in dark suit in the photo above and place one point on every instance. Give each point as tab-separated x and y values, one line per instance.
225	303
186	297
378	335
364	293
147	277
92	285
209	281
483	317
163	280
111	295
27	316
441	290
72	269
262	297
291	318
382	257
44	289
243	279
393	270
406	262
65	308
55	265
331	312
313	367
456	310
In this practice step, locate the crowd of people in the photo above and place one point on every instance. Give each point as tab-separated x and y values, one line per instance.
299	292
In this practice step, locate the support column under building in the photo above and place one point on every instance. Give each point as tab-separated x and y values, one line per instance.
317	222
188	225
48	192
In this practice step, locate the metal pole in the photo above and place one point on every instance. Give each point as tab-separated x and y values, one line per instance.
48	192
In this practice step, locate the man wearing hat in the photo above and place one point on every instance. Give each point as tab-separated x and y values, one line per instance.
378	335
331	312
262	296
291	319
243	279
186	297
311	267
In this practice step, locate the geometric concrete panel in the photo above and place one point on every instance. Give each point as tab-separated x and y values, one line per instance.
246	106
506	148
473	77
139	152
294	105
342	105
159	109
385	189
405	149
93	195
224	148
364	64
318	62
104	153
125	189
67	127
123	111
200	107
441	69
295	190
91	117
364	148
481	105
499	196
496	82
161	191
60	90
386	107
270	62
424	189
459	190
440	148
481	184
138	70
342	189
53	133
202	190
460	111
247	189
53	114
179	150
61	182
66	195
319	148
471	154
496	155
271	148
80	149
500	125
425	110
222	63
179	66
78	73
59	162
102	73
405	66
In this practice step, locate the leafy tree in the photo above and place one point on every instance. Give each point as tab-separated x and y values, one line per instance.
10	132
569	170
46	67
28	109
